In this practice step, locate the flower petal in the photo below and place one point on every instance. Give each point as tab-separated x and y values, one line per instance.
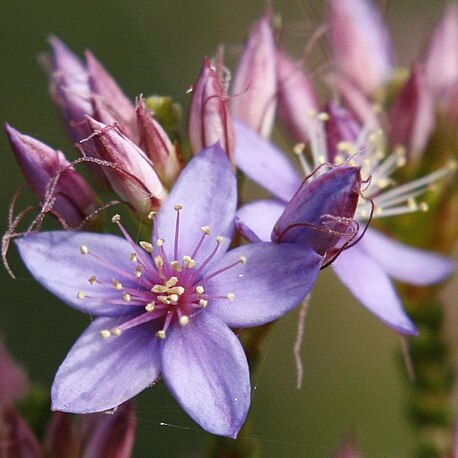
369	283
205	368
55	261
264	163
275	278
206	189
411	265
99	374
260	216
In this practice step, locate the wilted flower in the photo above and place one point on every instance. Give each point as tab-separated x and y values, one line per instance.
60	188
164	308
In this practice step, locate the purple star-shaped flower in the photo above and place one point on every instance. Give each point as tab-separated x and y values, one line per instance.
165	308
365	268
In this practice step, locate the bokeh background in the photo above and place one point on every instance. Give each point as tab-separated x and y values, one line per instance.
352	383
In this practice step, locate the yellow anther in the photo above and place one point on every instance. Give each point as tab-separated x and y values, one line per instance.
84	249
117	284
116	219
161	334
219	239
158	261
423	206
116	331
299	148
323	117
338	159
205	230
105	333
138	271
127	297
133	257
177	290
160	242
178	207
200	289
321	159
81	295
92	279
382	183
378	211
150	306
411	203
452	165
189	262
146	246
173	297
159	289
172	281
176	266
164	299
203	303
151	215
231	296
242	259
184	320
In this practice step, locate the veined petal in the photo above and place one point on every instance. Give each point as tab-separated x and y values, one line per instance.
99	374
205	368
55	261
320	213
206	190
369	283
260	216
264	163
274	279
411	265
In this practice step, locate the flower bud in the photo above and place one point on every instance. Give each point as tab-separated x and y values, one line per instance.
297	102
412	114
157	145
129	171
255	82
441	60
209	117
56	183
359	43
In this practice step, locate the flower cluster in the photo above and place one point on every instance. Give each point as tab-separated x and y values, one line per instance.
171	306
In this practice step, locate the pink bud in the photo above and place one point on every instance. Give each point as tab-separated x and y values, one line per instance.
53	179
209	117
129	171
61	440
112	101
16	438
441	61
109	435
412	114
13	381
157	145
297	102
70	89
360	43
255	83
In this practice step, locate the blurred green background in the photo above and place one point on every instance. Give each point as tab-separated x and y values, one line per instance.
351	379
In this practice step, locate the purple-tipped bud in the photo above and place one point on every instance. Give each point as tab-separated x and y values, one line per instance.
112	103
16	438
297	101
109	435
157	145
255	83
412	114
341	128
13	381
209	117
53	179
129	171
61	440
359	43
441	61
320	213
70	89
